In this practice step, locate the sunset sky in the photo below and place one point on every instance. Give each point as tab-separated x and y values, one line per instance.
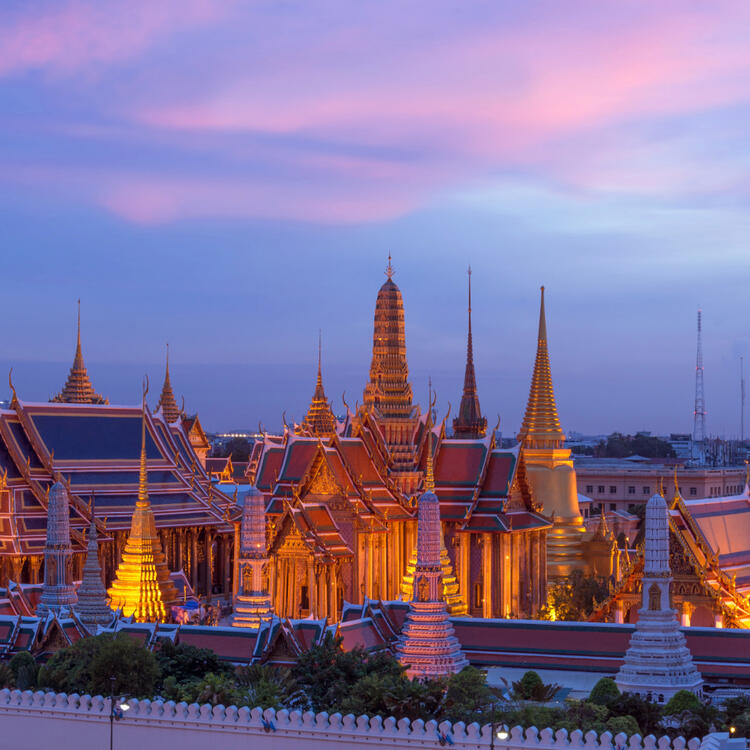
231	176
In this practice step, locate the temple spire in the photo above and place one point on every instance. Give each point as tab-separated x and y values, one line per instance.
541	424
167	402
319	420
469	423
78	388
142	586
92	608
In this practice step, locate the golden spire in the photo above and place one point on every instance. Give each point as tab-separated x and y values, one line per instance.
389	391
167	401
541	425
661	486
142	586
319	420
469	422
78	388
676	486
429	476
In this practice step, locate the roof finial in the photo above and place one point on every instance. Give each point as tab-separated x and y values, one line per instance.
389	268
676	485
542	320
167	360
320	353
143	475
79	325
661	486
429	477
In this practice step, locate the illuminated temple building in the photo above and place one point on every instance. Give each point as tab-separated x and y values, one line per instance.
94	448
342	493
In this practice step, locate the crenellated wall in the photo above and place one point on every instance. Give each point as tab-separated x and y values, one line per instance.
38	721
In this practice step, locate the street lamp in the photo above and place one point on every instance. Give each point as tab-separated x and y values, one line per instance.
498	730
116	710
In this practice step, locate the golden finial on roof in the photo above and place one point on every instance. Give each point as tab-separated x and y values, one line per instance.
143	473
429	477
389	268
676	486
14	399
747	473
661	486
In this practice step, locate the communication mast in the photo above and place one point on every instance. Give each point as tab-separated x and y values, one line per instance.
699	413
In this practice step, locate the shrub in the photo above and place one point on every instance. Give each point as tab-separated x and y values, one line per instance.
7	678
646	714
683	700
25	670
604	692
185	662
531	688
626	724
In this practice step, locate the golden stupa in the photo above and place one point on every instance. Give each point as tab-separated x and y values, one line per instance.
142	586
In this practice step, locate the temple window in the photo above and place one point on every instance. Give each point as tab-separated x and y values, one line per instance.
304	599
589	488
601	489
693	491
613	506
612	489
646	490
631	490
654	598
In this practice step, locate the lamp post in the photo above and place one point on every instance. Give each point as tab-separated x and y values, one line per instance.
500	731
116	710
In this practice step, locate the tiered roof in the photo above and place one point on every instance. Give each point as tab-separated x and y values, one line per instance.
94	450
319	420
78	388
167	403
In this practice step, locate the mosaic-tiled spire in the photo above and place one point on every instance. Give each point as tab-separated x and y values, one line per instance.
658	662
167	402
58	592
427	645
319	420
252	604
78	388
92	607
541	425
469	423
389	390
142	586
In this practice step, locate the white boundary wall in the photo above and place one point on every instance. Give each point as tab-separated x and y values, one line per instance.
40	721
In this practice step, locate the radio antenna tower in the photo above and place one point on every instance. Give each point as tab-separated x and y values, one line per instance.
699	413
742	400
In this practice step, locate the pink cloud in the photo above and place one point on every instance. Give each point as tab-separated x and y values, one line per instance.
67	36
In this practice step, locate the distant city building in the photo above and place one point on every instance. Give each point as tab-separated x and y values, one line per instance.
621	484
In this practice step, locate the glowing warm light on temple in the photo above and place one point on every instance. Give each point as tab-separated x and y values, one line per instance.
142	586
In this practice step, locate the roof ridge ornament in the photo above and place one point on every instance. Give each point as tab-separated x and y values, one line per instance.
389	271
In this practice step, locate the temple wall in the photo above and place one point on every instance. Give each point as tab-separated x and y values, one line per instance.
37	721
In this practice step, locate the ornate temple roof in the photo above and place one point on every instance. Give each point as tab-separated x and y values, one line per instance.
167	402
95	450
541	425
78	388
389	390
319	420
469	423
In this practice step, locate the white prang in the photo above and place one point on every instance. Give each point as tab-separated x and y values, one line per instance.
252	603
427	645
58	592
658	662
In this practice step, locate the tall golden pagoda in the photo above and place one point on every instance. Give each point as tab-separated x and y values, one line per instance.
319	420
469	423
167	401
549	464
78	388
142	586
389	390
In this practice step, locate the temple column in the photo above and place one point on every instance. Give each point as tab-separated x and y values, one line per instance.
383	582
618	613
227	566
194	560
324	592
515	573
208	536
464	541
370	565
17	568
236	561
35	563
486	575
311	589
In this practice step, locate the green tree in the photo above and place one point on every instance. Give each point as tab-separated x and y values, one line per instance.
269	687
626	724
468	695
734	707
134	667
417	699
531	688
604	692
574	597
682	700
585	716
741	724
646	714
69	669
25	670
7	678
215	689
185	662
